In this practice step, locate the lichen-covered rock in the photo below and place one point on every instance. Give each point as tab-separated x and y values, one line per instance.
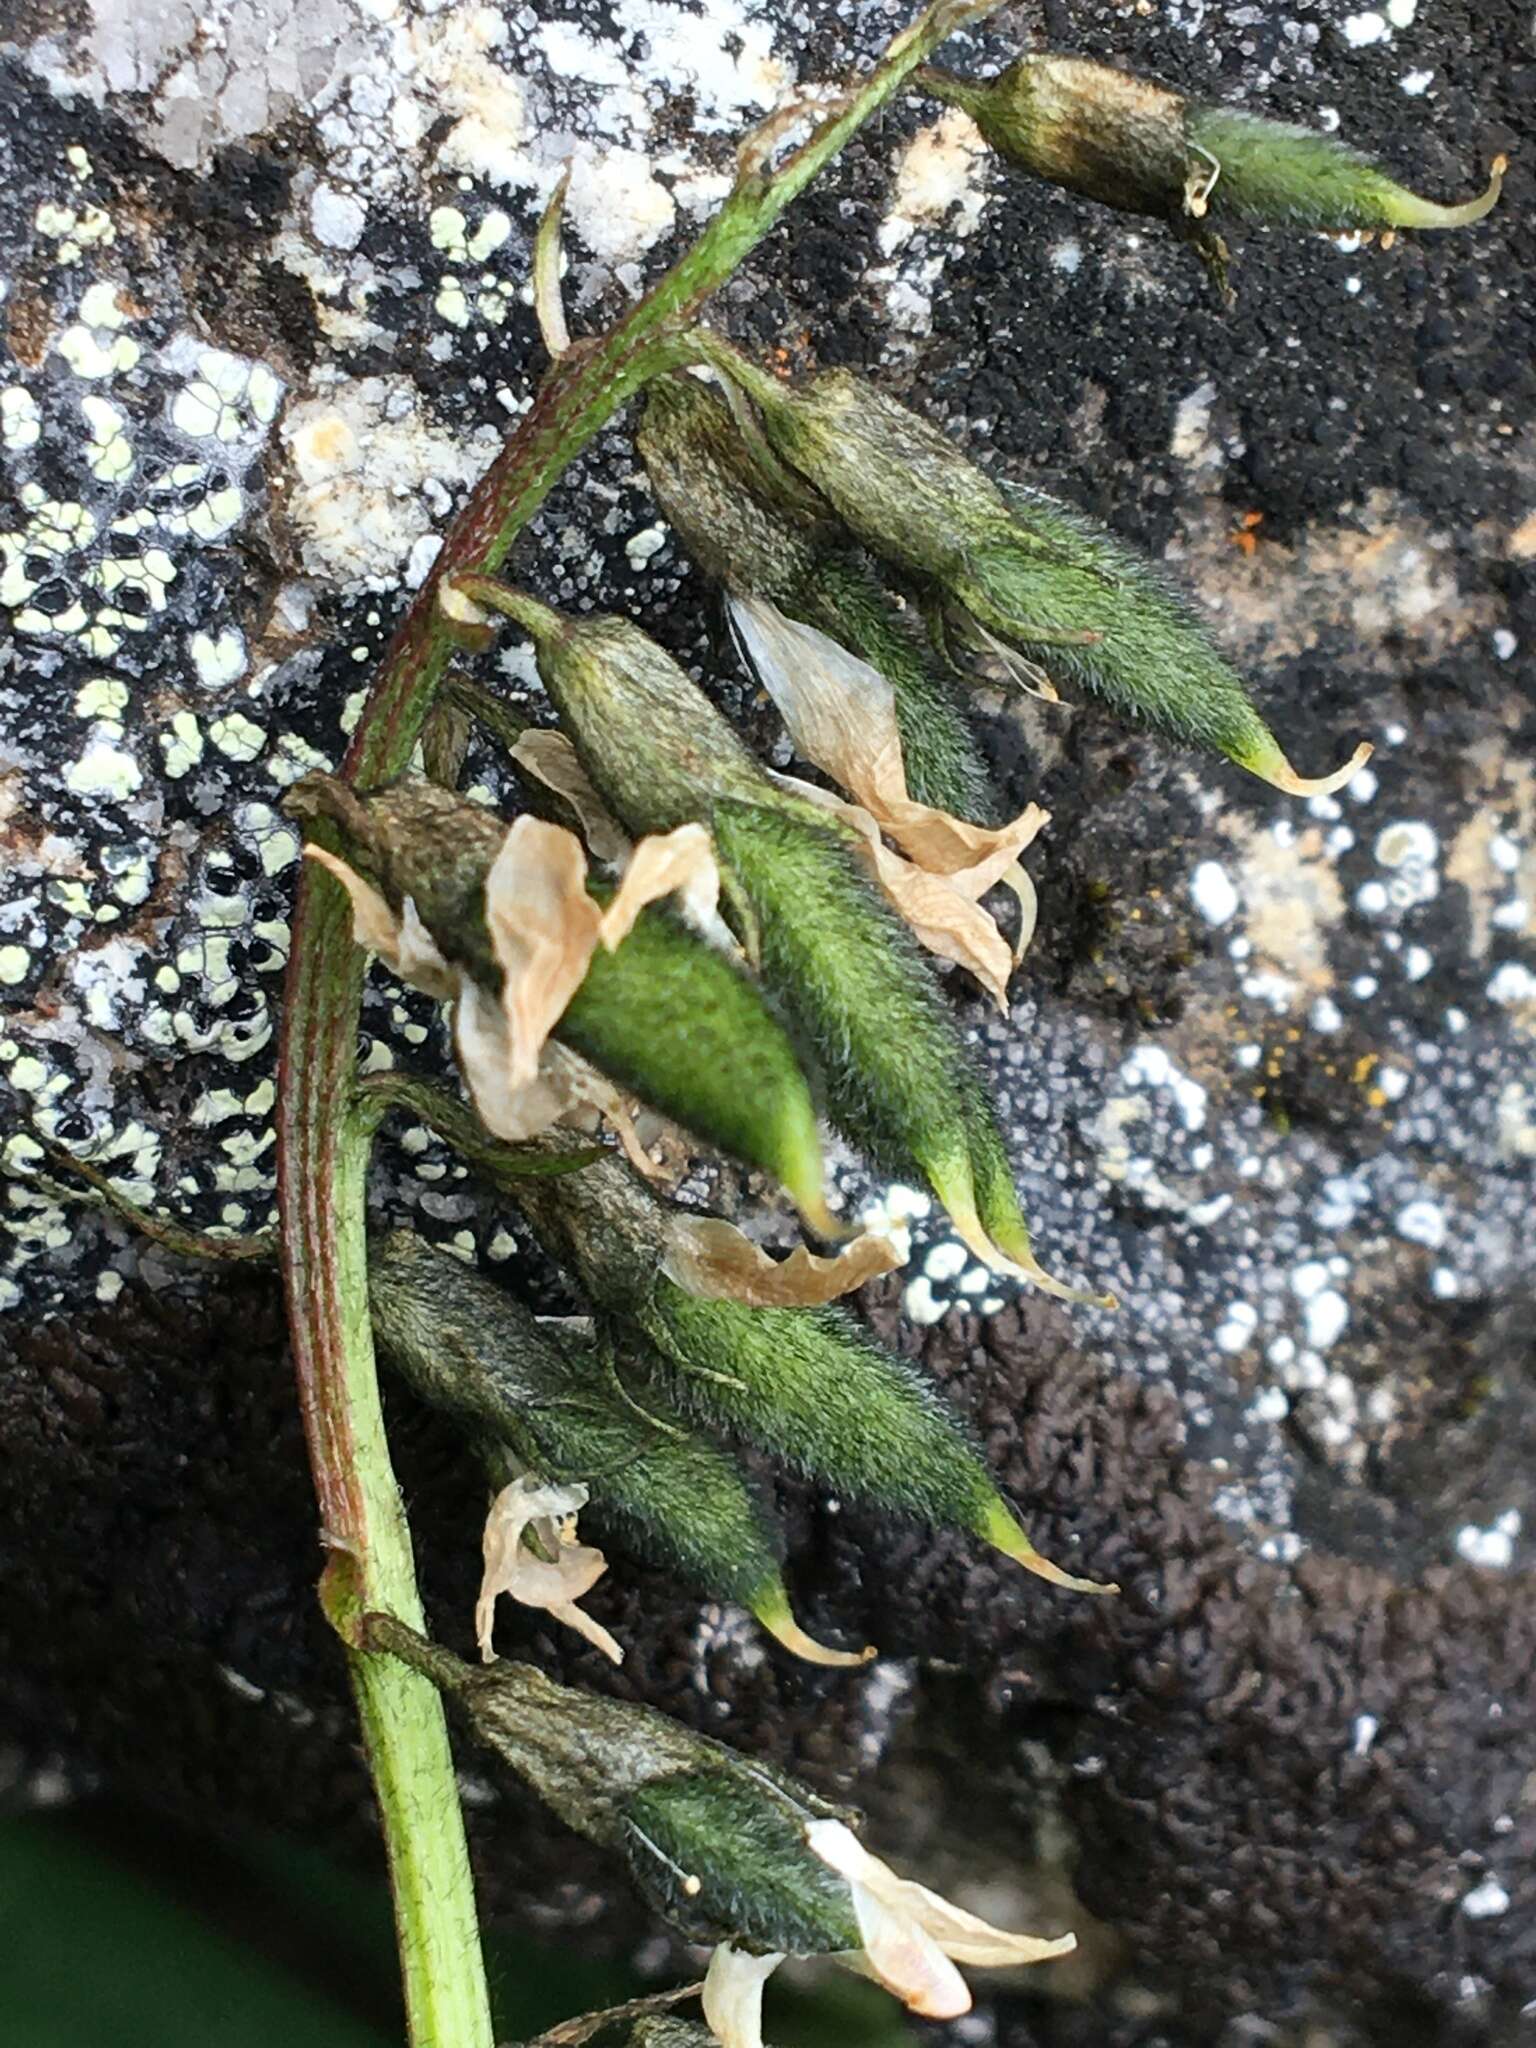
1269	1074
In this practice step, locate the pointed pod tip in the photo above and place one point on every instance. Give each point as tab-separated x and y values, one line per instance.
1004	1534
1408	210
773	1613
1283	776
1029	1268
1262	757
1008	1250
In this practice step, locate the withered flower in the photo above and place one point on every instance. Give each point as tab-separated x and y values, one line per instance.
909	1940
841	716
567	989
533	1555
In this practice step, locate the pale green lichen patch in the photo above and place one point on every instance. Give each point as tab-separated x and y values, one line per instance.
237	737
219	658
96	354
104	769
20	420
225	398
109	452
181	745
103	697
74	229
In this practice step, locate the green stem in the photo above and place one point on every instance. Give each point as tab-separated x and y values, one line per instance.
260	1245
324	1136
506	1165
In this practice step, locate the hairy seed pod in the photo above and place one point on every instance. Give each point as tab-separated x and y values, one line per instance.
899	1079
585	1756
468	1348
1274	174
1028	576
757	532
1133	144
724	1858
664	1015
811	1388
808	1385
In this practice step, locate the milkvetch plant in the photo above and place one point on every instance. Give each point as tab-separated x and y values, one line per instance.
666	928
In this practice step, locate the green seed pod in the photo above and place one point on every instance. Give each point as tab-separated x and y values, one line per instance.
685	1030
899	1080
1137	146
807	1384
586	1757
1030	576
723	1856
467	1347
664	1014
1155	661
655	748
731	1851
755	530
1274	174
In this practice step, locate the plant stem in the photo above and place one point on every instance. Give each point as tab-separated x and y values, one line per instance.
507	1165
324	1136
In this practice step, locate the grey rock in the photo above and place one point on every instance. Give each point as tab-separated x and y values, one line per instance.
1269	1072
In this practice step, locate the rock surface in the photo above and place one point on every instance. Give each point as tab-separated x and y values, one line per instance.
1270	1070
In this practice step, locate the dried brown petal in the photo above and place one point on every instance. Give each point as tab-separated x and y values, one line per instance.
709	1257
549	757
841	716
402	943
543	927
680	863
942	914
